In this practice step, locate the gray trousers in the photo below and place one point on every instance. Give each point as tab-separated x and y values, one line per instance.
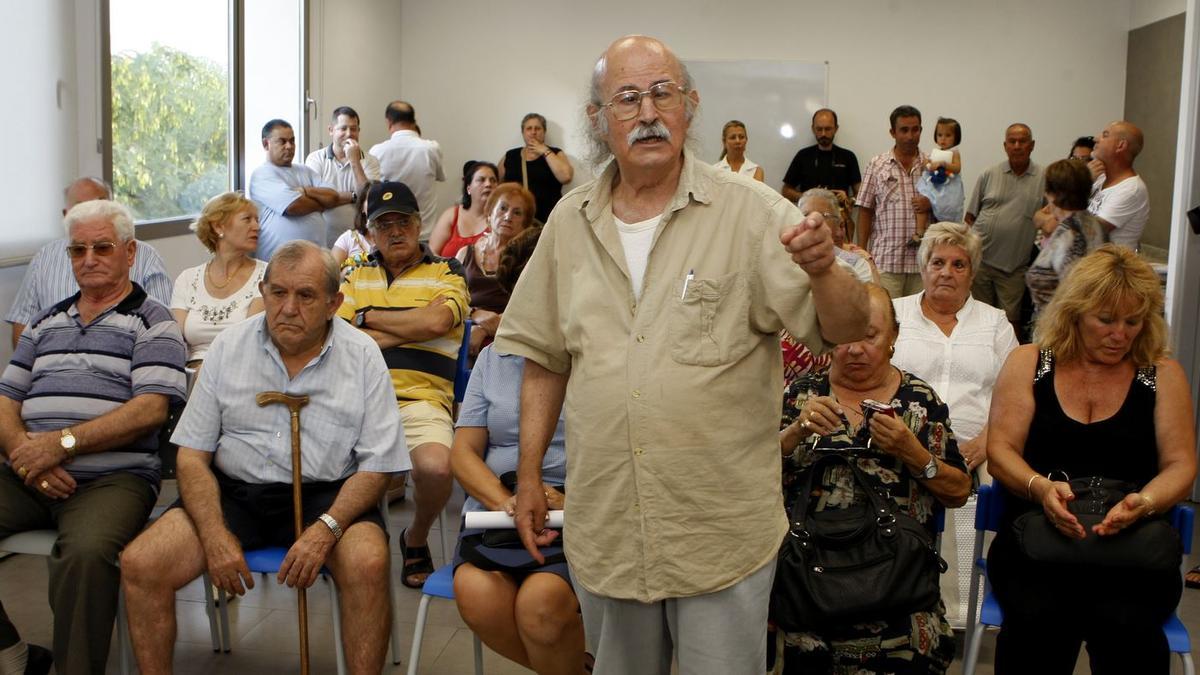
94	525
721	633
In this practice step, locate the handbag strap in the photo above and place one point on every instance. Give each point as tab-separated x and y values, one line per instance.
882	507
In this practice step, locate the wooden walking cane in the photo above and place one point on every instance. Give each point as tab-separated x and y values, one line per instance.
294	404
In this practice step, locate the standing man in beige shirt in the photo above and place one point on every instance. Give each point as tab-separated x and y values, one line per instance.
651	308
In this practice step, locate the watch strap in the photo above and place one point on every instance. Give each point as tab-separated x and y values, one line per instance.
332	524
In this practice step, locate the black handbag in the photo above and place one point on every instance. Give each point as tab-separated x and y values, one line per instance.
840	567
502	550
1150	544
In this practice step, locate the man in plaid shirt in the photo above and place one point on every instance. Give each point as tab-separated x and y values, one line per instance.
888	203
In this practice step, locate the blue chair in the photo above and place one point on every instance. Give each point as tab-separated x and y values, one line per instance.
988	514
440	584
267	561
462	369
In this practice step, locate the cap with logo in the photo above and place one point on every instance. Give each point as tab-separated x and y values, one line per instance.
390	197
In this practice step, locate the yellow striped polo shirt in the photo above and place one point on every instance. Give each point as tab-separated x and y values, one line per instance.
421	371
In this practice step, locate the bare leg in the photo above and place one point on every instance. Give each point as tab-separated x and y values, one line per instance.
433	480
360	564
154	566
550	625
487	603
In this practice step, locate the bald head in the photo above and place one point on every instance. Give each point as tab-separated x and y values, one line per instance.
1131	135
624	53
86	189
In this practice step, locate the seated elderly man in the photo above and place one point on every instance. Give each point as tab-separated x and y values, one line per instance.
81	403
234	466
412	304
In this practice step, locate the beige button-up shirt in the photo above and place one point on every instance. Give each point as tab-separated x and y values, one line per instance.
672	406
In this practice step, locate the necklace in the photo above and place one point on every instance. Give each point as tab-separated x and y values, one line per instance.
228	276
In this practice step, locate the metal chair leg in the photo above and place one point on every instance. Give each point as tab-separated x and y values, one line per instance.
1185	660
414	656
339	653
123	642
478	655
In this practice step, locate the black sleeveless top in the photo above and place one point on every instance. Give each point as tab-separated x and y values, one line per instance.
1122	447
545	187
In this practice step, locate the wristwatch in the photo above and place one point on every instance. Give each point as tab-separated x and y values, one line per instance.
332	525
931	469
360	319
67	442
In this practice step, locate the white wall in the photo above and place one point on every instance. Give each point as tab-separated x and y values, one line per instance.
1145	12
472	68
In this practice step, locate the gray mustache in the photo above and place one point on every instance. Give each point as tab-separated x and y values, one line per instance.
643	132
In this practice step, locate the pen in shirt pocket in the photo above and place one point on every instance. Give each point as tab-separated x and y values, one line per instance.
687	280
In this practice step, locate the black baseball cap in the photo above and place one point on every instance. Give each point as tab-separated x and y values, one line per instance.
390	197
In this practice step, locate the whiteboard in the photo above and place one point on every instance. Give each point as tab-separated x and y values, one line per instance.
775	99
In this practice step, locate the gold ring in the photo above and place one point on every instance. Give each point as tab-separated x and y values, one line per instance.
22	472
45	485
804	424
811	413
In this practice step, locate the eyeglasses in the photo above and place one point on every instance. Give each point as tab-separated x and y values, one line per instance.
384	223
102	248
664	95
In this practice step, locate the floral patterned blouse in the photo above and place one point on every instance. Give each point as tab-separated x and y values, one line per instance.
922	411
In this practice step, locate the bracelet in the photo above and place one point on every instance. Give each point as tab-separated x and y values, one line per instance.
1029	486
1149	503
332	525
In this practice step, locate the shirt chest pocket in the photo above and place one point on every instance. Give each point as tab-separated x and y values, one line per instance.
710	321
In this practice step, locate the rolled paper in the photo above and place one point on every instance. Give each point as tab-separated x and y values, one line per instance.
499	520
943	156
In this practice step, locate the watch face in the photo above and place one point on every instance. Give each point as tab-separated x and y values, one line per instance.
68	441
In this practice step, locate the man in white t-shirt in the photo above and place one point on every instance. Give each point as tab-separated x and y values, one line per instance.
407	158
291	198
1119	196
344	166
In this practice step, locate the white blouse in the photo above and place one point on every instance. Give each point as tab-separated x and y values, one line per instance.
961	367
208	316
747	170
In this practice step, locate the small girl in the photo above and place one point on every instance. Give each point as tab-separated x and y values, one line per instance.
941	183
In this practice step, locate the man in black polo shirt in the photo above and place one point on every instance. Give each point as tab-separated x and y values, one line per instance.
823	165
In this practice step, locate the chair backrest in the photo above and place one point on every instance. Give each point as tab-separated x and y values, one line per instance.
1183	519
989	507
462	369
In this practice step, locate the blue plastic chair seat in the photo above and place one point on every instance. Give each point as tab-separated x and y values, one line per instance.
1177	635
268	560
440	584
989	613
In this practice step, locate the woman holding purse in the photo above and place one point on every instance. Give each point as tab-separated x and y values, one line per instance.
910	456
1094	396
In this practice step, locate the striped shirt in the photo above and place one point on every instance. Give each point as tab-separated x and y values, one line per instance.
421	371
350	423
888	190
64	373
50	278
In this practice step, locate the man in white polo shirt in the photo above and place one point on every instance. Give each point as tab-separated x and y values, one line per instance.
344	166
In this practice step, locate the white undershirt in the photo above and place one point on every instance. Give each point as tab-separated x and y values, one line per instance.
636	239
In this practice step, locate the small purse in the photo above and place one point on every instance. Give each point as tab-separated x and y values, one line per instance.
840	567
1149	544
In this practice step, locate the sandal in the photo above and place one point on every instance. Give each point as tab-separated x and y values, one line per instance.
1192	578
421	563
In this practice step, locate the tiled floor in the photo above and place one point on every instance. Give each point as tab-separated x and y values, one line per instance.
263	622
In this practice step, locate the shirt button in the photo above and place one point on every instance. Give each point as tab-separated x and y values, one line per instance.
278	435
637	394
637	451
641	338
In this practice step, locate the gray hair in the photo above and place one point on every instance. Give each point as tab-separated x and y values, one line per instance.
820	194
595	130
295	251
951	234
114	213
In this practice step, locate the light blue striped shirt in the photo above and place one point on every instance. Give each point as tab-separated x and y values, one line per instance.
351	422
50	279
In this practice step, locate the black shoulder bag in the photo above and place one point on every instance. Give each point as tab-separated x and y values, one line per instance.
840	567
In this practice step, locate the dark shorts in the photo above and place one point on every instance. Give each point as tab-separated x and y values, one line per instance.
260	514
